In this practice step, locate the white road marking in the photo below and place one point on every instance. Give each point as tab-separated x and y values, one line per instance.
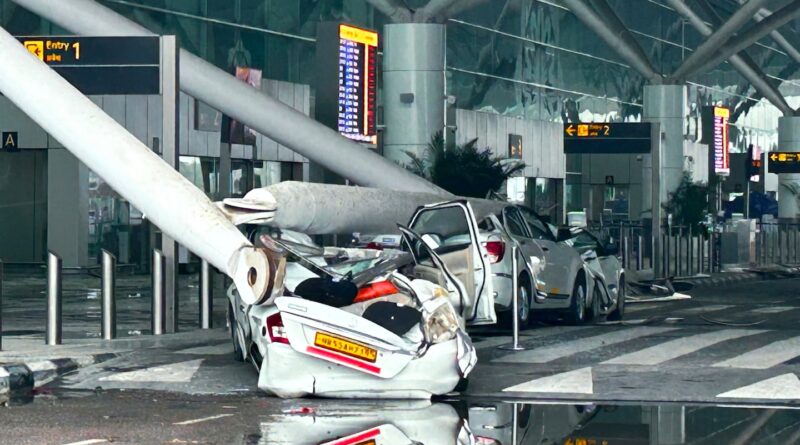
567	348
773	309
672	349
87	442
766	356
543	332
45	365
172	373
222	349
704	309
203	419
4	372
782	387
578	381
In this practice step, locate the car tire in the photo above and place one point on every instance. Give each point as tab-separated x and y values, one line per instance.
462	385
238	353
524	312
619	312
577	305
597	312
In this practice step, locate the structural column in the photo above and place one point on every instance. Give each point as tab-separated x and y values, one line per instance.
666	105
788	183
413	87
67	208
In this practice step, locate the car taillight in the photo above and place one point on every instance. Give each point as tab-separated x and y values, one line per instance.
375	290
275	329
374	245
495	250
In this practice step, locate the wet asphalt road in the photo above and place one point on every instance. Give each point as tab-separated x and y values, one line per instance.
677	365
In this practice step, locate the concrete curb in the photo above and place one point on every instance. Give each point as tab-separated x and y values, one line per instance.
19	379
45	371
742	277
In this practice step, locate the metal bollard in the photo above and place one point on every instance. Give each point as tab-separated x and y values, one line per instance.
53	336
109	296
1	305
639	244
158	320
514	303
206	297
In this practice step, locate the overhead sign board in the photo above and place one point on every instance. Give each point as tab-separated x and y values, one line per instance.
784	162
102	65
607	137
347	62
719	143
9	141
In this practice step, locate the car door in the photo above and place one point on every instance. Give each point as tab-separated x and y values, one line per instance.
451	230
601	265
556	274
518	230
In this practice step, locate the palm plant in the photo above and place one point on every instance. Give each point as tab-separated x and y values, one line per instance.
463	170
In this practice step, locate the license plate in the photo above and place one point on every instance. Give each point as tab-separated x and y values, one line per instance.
346	347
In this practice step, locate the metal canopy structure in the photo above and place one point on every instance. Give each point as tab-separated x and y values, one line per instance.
720	45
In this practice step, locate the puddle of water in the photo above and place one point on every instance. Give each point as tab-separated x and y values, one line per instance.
495	423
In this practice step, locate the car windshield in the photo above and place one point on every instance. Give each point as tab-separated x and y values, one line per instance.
539	229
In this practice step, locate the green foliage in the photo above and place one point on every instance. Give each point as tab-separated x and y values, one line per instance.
689	203
463	170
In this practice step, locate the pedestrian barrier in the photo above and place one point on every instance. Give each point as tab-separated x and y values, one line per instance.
515	346
109	303
206	300
53	333
158	312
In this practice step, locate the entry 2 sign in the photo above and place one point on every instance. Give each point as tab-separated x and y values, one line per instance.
784	162
607	138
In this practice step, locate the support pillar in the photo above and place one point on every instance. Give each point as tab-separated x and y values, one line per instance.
413	87
789	183
665	105
68	208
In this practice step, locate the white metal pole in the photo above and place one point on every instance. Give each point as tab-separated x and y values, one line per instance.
168	199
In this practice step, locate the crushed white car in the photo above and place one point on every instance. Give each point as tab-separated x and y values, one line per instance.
357	323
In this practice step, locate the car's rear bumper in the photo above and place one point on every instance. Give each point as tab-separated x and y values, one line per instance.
288	373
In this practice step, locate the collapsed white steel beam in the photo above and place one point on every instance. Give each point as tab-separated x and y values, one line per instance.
173	203
237	99
321	209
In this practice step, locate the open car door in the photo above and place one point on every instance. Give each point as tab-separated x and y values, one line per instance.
448	232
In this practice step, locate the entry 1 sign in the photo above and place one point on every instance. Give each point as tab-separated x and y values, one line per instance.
784	162
607	137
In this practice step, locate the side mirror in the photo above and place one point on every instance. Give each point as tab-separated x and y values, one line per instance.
611	249
564	233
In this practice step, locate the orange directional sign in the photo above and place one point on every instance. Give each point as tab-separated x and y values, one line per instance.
784	162
607	137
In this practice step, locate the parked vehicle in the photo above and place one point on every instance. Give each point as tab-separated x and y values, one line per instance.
553	275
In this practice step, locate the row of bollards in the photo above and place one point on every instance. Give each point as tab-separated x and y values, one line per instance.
108	297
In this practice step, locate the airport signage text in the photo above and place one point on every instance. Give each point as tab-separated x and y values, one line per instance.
607	138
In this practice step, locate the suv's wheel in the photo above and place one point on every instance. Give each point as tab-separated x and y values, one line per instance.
619	311
238	354
523	305
577	306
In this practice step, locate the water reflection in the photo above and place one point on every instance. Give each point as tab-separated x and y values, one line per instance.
458	422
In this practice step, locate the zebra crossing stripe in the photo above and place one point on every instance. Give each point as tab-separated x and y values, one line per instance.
579	381
773	309
567	348
782	387
672	349
766	356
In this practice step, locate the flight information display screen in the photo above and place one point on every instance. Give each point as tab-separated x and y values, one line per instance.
358	53
347	61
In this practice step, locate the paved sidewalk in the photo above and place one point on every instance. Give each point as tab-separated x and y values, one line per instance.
26	362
